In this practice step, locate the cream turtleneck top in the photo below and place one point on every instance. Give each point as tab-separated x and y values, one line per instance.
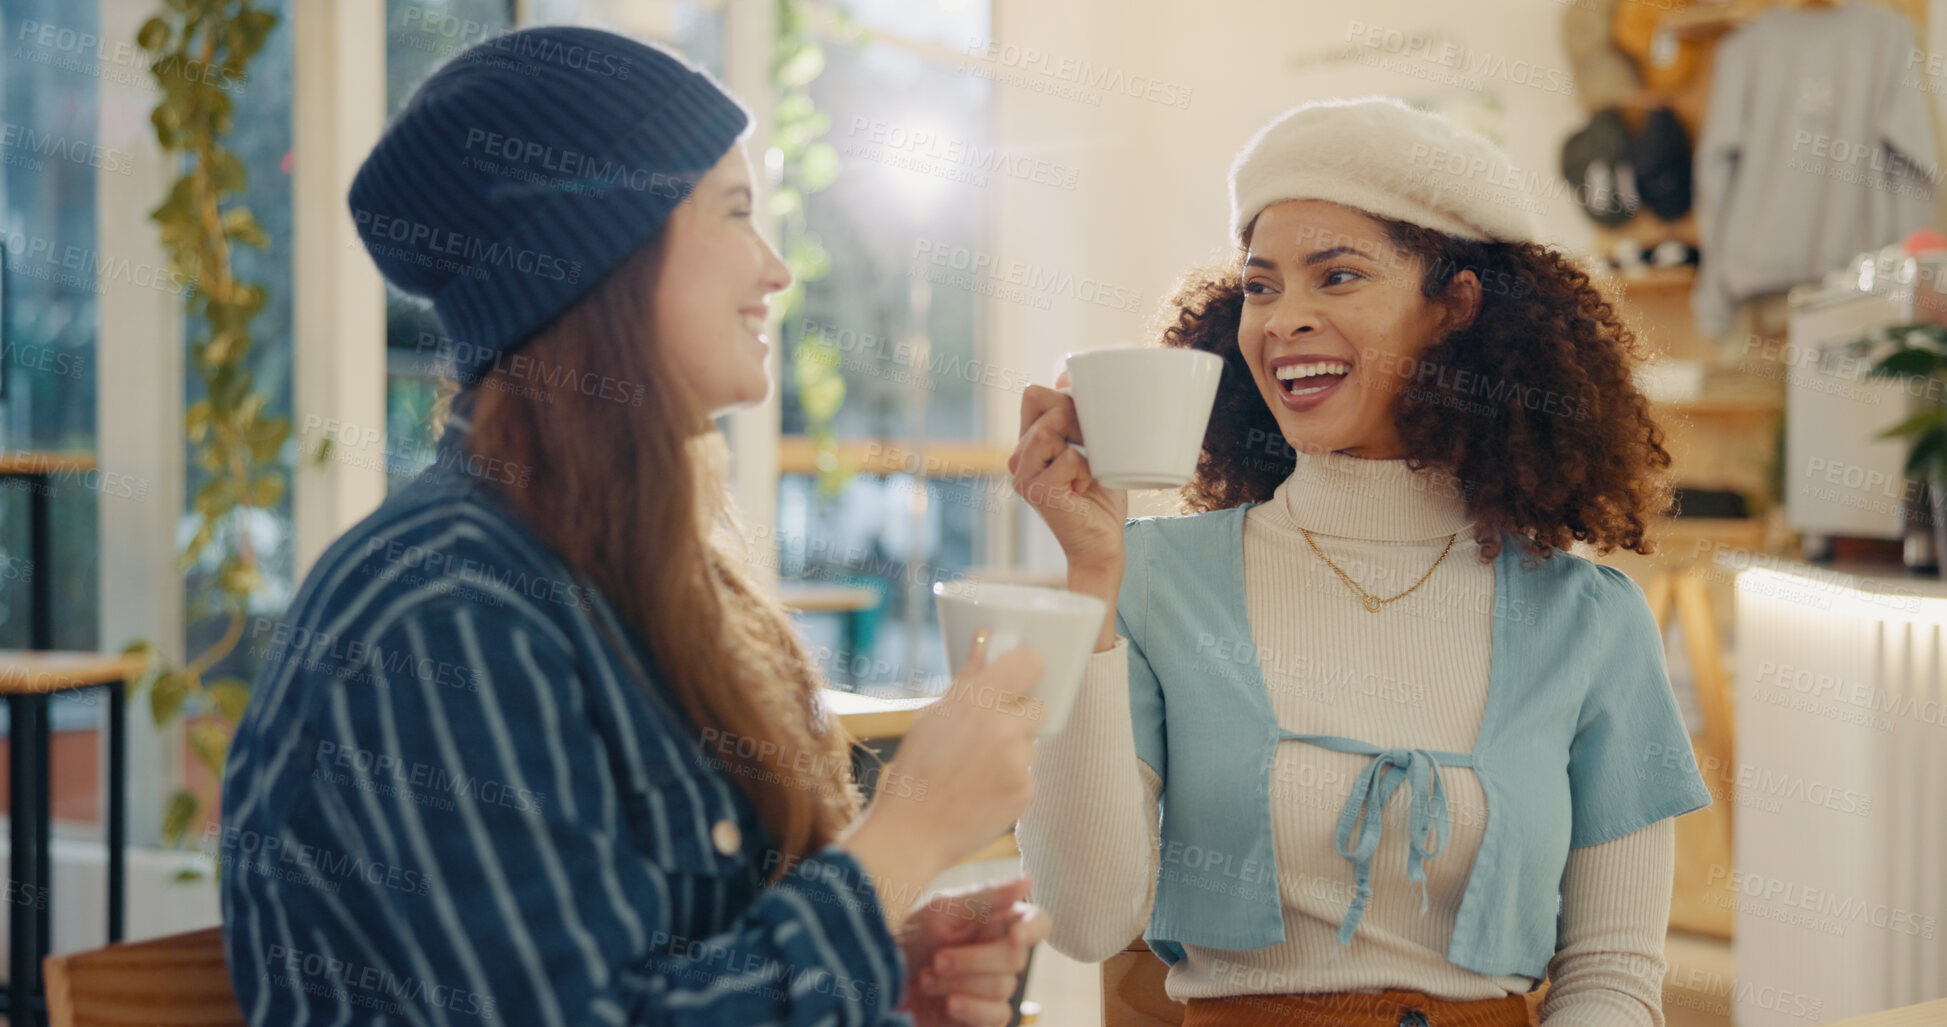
1412	675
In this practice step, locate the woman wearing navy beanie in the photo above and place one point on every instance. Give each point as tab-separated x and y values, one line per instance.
533	748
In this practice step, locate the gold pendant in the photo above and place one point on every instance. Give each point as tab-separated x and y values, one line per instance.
1372	604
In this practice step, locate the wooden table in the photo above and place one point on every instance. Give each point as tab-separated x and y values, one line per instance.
27	679
870	718
1926	1014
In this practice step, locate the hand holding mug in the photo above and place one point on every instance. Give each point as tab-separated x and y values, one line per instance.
959	780
1056	480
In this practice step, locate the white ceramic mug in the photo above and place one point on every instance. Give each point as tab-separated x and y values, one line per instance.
1143	411
1059	626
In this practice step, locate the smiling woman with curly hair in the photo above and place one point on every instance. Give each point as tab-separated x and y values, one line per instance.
1531	407
1421	410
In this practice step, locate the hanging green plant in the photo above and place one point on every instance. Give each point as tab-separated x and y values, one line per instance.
199	52
807	164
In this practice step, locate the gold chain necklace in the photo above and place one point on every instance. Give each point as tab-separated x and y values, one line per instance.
1372	602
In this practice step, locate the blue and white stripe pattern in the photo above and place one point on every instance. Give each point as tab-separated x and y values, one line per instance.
451	803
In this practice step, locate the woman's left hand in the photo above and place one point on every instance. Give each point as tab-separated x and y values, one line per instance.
966	950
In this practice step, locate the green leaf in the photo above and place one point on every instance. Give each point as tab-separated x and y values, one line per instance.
799	67
250	299
222	345
822	398
1916	424
268	490
167	696
230	696
1924	335
248	33
216	497
816	125
188	875
786	203
793	107
242	227
177	818
242	580
818	168
809	259
1908	363
267	439
153	36
196	421
226	171
1926	449
167	124
211	743
812	357
792	139
194	550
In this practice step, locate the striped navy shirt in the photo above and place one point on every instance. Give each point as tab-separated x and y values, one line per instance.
452	802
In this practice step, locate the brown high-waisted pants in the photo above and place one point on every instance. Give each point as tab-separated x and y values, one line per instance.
1356	1009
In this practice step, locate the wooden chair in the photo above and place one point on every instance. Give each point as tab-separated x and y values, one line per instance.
178	981
1701	901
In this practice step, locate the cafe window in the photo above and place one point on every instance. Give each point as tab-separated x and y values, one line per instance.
49	305
903	118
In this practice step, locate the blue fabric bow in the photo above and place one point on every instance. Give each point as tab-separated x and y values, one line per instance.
1418	769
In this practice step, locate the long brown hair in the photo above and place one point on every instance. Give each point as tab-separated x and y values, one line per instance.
627	486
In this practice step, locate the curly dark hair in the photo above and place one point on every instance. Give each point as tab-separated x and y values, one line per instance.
1531	406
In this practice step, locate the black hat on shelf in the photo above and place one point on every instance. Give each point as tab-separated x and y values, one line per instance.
1596	163
1660	152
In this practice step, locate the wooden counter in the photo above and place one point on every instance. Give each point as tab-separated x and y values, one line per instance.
1926	1014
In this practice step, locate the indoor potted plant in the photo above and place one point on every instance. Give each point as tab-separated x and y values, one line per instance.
1917	353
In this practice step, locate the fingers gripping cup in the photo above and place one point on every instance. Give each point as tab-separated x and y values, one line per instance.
1143	411
1059	626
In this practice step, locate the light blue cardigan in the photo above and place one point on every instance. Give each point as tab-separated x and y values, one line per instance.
1581	743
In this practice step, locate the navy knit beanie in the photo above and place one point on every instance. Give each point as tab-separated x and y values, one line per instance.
524	170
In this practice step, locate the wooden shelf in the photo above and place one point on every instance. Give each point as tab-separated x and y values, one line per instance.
1709	19
17	462
1659	278
1702	20
1722	408
938	459
33	671
802	597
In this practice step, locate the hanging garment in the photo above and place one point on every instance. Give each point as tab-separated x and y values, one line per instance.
1816	145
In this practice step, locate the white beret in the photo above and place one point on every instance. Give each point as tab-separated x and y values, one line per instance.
1384	158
